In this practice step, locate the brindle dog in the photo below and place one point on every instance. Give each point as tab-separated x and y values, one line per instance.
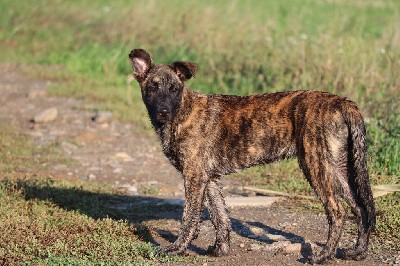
208	136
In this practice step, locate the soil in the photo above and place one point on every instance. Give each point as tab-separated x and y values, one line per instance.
119	153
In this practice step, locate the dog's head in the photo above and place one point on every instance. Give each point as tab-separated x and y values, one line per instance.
161	85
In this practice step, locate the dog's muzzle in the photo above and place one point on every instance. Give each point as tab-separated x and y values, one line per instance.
163	115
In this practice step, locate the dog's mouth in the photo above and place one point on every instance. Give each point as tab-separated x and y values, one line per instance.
163	117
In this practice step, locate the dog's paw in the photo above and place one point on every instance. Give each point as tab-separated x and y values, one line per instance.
218	250
319	258
355	254
171	250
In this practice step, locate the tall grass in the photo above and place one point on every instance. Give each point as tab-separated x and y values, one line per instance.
351	48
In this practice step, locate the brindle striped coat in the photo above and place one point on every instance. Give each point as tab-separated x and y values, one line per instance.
207	136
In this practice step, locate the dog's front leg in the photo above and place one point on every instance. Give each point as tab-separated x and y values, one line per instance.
194	195
219	217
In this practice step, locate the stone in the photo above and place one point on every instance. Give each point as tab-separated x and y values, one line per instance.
102	117
86	137
269	237
91	176
255	246
46	116
292	248
36	93
256	230
124	156
131	189
118	170
276	246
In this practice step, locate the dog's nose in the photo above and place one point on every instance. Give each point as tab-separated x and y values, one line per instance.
163	112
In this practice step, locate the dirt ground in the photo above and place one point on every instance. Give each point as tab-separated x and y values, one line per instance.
115	152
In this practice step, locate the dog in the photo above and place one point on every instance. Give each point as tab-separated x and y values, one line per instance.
208	136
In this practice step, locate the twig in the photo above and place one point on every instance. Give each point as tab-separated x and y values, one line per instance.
268	192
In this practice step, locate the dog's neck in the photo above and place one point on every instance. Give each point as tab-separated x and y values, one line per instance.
169	131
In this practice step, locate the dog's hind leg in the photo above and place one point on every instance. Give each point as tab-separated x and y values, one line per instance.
318	174
219	218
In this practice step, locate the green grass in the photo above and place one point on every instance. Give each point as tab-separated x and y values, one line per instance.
57	221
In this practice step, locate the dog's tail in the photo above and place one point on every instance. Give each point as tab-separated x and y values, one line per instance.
358	171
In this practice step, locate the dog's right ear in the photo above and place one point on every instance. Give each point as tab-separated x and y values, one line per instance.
141	63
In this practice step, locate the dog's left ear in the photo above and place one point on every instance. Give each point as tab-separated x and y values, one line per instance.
184	70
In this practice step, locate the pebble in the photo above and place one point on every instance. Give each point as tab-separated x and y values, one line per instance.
256	230
292	248
131	189
36	93
91	176
273	237
255	247
46	116
102	117
276	246
241	245
124	156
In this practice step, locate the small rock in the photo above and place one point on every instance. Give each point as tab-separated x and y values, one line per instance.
86	137
255	247
124	156
95	168
91	176
276	246
46	116
36	93
256	230
130	189
292	248
102	117
272	237
241	245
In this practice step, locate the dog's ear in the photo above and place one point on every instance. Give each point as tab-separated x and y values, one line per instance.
184	70
141	63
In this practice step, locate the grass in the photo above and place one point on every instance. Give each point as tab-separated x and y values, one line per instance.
350	48
45	220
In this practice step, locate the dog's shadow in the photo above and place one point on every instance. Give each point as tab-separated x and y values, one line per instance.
137	210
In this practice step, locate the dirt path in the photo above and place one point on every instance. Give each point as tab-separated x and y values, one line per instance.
114	152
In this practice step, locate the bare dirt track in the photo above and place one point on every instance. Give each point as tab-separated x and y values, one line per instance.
116	152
